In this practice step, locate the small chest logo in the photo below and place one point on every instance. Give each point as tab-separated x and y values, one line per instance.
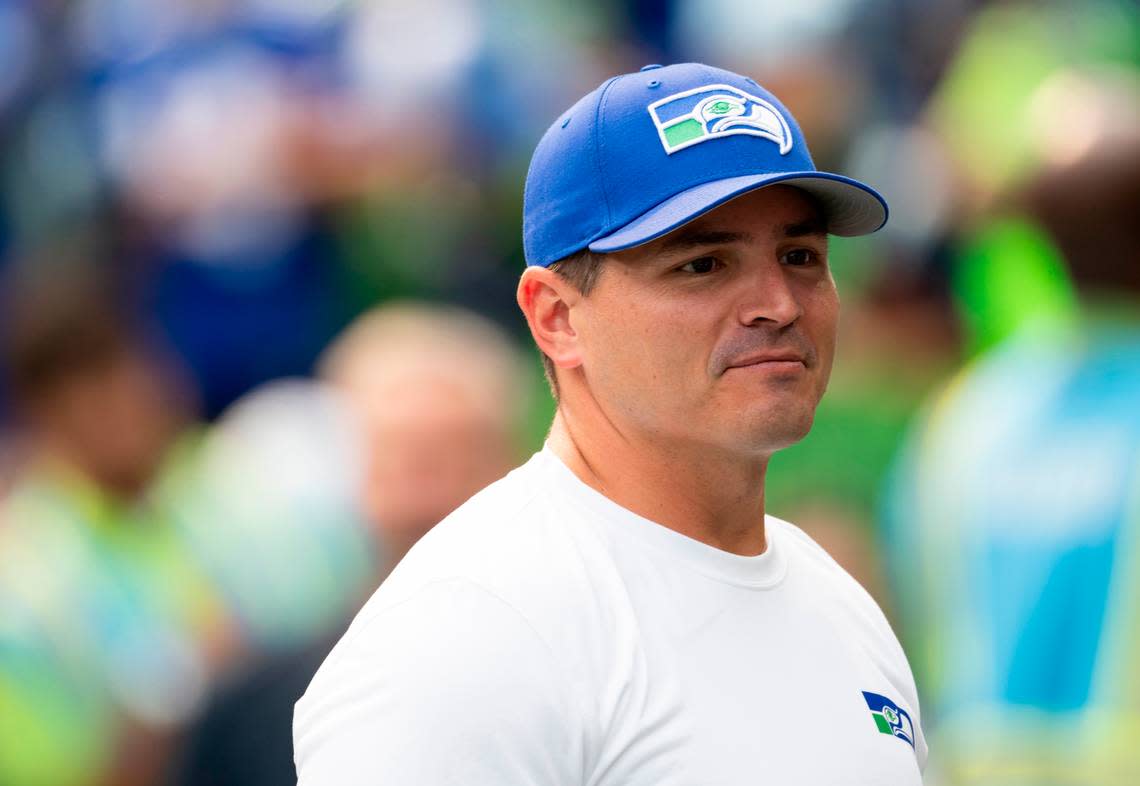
890	718
695	116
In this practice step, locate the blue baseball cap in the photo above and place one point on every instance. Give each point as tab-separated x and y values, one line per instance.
647	152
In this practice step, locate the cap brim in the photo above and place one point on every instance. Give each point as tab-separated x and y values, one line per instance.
851	207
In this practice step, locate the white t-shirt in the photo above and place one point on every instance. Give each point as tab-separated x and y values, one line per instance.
542	635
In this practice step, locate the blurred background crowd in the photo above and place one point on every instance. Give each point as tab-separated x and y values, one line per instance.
258	334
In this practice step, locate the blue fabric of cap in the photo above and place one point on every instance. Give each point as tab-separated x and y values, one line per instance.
646	153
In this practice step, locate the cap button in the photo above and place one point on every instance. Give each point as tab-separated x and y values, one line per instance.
650	67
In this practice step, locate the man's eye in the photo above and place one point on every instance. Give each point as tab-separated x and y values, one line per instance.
799	257
701	265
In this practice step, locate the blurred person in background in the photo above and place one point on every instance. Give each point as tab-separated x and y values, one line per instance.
438	395
109	627
1014	517
441	396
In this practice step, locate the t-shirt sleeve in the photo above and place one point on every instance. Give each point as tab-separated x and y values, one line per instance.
451	686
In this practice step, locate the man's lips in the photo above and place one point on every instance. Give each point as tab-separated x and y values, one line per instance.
773	360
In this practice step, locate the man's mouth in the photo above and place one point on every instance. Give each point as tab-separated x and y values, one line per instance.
771	361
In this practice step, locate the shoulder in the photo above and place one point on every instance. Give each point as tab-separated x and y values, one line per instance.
521	540
510	606
449	685
809	556
531	539
834	589
839	597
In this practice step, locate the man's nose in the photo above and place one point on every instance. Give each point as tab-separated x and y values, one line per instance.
769	297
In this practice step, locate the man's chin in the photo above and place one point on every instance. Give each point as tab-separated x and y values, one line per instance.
771	431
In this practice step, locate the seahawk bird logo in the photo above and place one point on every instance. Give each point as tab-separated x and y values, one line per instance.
704	113
890	718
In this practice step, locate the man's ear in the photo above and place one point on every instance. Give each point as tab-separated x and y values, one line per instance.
546	300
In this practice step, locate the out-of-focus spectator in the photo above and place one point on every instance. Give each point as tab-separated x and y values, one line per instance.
440	397
109	627
1015	514
96	401
440	393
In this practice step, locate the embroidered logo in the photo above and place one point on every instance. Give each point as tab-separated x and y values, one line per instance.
890	718
704	113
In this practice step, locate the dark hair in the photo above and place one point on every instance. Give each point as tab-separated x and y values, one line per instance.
1089	208
581	270
54	333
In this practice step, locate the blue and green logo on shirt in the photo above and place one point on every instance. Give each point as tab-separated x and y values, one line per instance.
890	718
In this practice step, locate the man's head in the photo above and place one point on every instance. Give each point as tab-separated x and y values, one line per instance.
437	390
676	236
93	395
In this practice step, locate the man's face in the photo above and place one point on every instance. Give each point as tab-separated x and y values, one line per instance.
719	334
115	420
430	447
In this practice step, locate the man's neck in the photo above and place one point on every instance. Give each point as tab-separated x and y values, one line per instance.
715	498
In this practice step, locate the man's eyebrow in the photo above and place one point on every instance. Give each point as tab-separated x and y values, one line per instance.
813	226
698	238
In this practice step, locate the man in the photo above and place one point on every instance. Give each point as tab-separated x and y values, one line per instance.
619	610
111	626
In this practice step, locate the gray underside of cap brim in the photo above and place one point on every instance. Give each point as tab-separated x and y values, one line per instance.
851	207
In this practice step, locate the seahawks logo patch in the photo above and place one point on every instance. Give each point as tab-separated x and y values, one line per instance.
706	113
